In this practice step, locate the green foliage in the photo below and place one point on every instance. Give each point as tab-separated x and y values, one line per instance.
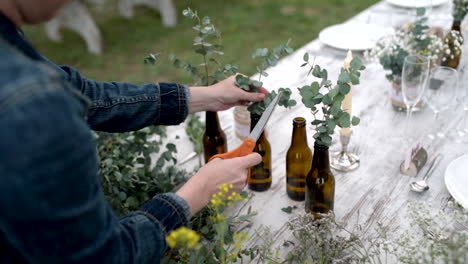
460	9
223	235
285	101
415	38
394	63
419	41
435	236
128	180
267	58
194	129
288	209
207	43
322	98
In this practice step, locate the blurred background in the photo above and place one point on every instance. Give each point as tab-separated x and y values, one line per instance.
244	25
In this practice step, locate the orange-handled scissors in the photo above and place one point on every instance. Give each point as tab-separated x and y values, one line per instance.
248	145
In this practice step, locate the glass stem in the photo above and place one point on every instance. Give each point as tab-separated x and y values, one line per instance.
409	112
436	120
464	123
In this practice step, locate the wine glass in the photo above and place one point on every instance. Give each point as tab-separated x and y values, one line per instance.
413	82
462	98
441	93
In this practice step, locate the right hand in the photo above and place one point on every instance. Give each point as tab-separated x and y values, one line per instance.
206	182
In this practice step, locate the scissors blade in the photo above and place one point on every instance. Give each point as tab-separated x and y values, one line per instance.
258	129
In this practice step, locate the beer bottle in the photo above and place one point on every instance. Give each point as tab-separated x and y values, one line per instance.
320	183
260	175
214	139
298	161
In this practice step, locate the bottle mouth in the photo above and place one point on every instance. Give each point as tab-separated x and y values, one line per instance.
320	146
299	121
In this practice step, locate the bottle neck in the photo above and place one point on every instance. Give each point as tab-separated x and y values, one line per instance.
321	159
456	25
254	118
212	122
299	136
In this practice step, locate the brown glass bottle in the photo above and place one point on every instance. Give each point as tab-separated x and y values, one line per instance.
214	139
453	62
260	175
320	183
298	161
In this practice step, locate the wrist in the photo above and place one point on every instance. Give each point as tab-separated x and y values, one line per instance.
200	99
196	193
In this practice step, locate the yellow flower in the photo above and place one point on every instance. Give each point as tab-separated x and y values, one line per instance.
232	257
239	239
219	218
183	237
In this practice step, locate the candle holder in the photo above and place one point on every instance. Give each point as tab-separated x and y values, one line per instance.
344	160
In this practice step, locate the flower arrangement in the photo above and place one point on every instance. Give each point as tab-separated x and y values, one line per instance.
414	38
460	9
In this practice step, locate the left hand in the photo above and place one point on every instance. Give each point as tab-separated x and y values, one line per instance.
221	96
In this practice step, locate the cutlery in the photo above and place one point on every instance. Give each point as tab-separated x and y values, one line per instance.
421	185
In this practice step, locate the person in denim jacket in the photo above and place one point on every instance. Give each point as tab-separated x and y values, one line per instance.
52	208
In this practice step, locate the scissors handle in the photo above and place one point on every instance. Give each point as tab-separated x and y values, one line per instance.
244	149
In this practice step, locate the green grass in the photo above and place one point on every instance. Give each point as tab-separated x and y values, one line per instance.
244	24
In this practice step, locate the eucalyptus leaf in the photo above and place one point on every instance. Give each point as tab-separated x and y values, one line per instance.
344	77
260	52
344	88
206	20
356	64
355	121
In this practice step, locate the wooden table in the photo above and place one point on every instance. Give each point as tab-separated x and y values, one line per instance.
376	192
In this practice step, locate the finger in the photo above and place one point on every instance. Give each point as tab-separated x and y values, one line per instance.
251	97
251	160
263	90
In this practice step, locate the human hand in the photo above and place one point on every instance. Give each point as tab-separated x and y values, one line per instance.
206	182
221	96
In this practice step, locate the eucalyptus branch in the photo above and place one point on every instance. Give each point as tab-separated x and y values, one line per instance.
329	101
205	29
268	58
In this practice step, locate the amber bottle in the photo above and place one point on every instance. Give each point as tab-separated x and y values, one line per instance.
214	139
298	161
453	62
260	175
320	184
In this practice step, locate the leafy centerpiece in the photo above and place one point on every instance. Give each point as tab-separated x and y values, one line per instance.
325	100
414	38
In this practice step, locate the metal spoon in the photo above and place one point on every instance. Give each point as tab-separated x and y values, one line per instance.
421	186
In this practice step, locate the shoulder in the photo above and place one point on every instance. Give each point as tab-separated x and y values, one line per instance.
22	79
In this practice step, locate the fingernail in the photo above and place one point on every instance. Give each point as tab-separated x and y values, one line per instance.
261	96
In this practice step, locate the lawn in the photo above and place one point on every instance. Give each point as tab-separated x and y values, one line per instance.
244	24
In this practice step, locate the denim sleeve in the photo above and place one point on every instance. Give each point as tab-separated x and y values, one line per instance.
120	107
52	206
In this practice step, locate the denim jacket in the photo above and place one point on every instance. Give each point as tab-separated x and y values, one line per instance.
52	208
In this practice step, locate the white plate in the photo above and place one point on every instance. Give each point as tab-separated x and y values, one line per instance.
417	3
352	36
456	180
